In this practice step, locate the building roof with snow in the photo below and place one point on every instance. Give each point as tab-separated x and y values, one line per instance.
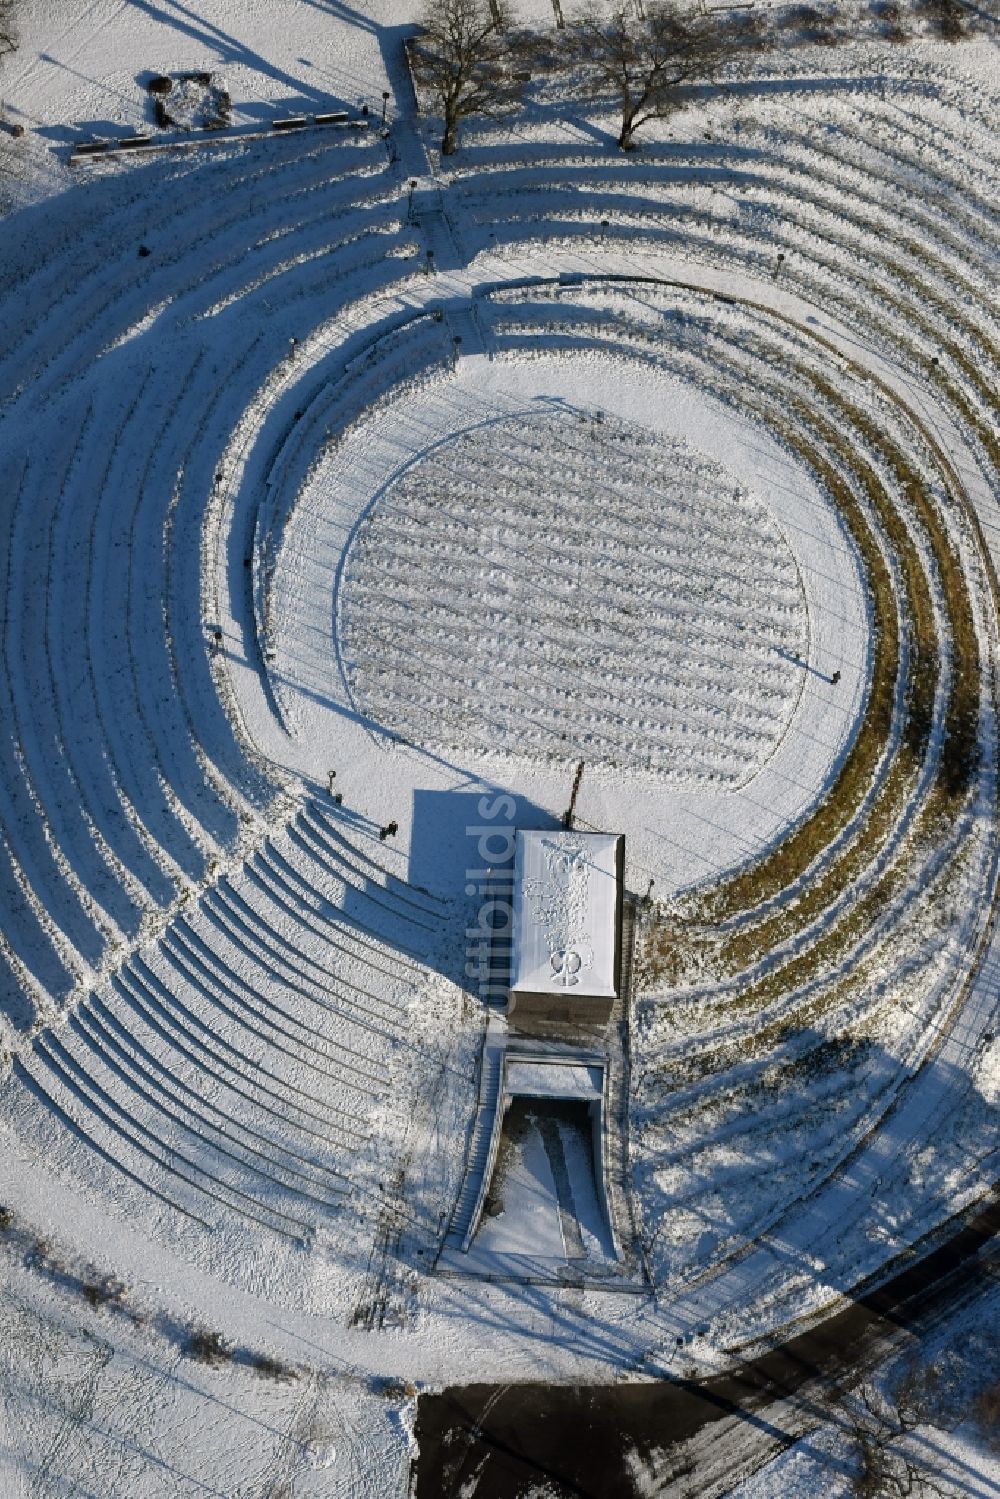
566	915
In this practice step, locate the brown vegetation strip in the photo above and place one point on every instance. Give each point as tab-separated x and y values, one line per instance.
959	749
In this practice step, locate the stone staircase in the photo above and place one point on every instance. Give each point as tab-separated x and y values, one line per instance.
479	1160
617	1164
465	325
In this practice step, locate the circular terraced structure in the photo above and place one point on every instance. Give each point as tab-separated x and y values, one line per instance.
706	501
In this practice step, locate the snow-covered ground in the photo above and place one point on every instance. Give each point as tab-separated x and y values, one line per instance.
486	716
121	1410
306	532
534	651
925	1421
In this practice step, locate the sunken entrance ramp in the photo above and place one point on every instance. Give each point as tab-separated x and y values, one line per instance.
543	1157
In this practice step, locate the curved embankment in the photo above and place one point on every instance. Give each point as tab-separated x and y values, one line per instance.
242	963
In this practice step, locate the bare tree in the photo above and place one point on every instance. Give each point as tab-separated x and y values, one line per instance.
885	1467
466	60
948	18
8	35
645	56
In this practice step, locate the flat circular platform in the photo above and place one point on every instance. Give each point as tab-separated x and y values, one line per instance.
565	583
455	588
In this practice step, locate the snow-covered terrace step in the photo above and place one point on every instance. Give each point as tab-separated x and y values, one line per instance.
199	798
89	814
235	1078
799	244
337	245
36	898
158	1000
377	360
295	970
47	1107
818	245
299	909
184	1110
879	189
359	906
65	302
124	568
32	968
708	342
180	1173
726	184
141	730
108	212
330	845
77	666
922	148
250	785
335	833
44	794
189	965
303	947
341	250
349	364
200	1049
787	160
101	663
350	1023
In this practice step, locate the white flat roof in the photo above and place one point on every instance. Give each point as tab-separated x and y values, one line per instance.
527	1078
565	909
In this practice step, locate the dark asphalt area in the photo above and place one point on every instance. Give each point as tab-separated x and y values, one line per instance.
686	1437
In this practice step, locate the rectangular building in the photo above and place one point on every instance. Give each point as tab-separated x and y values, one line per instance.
566	947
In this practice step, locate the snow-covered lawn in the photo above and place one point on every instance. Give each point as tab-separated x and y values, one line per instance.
634	606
